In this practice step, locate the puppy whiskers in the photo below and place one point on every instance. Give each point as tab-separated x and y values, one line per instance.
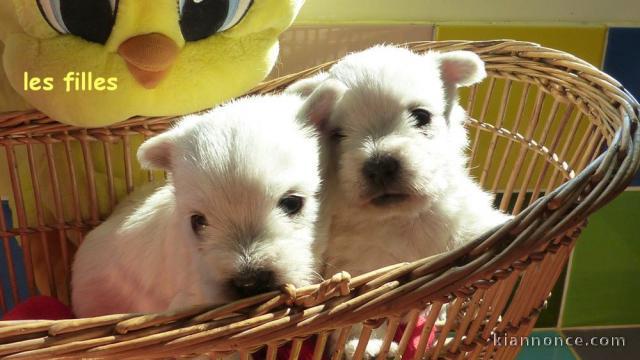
316	277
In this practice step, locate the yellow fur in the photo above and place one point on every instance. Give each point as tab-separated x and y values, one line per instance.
205	73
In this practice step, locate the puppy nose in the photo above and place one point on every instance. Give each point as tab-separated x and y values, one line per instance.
381	170
254	282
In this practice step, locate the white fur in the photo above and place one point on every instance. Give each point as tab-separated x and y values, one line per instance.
232	164
445	206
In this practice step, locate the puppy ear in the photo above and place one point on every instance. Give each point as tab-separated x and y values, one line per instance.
458	68
320	104
156	153
461	68
306	86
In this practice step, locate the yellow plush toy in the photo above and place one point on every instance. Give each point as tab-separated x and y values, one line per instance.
96	62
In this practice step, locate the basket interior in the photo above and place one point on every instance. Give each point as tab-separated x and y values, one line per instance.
524	142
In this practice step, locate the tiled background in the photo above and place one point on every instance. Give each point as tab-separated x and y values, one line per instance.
598	292
600	286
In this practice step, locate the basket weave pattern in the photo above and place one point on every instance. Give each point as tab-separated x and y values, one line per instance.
540	147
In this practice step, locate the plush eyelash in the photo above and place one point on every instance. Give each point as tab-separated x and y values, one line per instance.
52	15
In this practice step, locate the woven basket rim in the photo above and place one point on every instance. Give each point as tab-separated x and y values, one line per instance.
553	219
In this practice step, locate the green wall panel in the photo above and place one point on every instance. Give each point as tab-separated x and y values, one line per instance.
604	283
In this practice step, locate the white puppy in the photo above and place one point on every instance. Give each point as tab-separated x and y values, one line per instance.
235	218
397	186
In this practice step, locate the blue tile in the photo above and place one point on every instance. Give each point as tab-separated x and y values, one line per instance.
623	56
545	345
18	264
621	61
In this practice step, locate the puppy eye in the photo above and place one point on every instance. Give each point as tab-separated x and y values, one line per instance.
422	117
198	223
200	19
337	134
291	204
90	20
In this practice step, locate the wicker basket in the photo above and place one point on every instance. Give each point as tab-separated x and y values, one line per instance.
539	129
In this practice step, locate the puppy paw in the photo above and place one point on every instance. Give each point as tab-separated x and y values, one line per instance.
374	346
442	316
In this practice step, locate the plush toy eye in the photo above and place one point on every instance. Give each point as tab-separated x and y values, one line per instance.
200	19
291	204
91	20
422	117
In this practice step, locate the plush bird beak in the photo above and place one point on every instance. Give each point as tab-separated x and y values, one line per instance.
149	57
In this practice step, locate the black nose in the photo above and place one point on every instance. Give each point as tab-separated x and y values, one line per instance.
381	170
253	282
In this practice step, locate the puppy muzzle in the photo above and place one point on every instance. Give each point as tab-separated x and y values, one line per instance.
382	177
381	171
253	282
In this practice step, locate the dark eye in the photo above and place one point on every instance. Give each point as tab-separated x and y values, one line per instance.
337	134
422	117
291	204
91	20
198	223
200	19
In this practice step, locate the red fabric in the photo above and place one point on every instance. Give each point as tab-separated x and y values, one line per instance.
306	351
39	308
412	346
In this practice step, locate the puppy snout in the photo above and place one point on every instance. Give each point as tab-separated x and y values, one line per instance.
249	283
381	170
